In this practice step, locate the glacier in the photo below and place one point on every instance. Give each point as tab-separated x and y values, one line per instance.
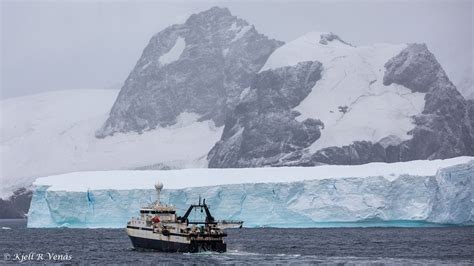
438	191
50	133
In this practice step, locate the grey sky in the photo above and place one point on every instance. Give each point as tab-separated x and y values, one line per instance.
56	45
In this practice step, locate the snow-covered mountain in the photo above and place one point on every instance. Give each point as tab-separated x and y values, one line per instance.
371	103
317	99
215	92
53	132
199	67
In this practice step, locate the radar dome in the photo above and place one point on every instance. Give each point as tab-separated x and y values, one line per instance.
158	185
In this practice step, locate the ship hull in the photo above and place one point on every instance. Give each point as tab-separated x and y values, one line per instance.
170	246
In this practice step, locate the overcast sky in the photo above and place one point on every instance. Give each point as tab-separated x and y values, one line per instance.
57	45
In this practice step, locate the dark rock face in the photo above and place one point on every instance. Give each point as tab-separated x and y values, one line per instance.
360	152
329	37
415	68
262	130
470	104
470	111
17	205
214	56
445	129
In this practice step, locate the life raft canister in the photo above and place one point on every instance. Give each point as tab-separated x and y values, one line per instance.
155	219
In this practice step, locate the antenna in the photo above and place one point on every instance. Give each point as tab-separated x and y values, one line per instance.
158	187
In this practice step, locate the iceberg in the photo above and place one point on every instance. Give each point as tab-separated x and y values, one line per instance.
415	192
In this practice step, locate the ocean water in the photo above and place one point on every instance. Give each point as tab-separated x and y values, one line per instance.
370	245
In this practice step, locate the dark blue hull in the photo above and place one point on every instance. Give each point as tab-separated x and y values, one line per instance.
168	246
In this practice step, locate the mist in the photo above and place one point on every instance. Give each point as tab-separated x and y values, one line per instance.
55	45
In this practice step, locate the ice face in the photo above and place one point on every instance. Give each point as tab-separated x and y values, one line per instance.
445	197
454	199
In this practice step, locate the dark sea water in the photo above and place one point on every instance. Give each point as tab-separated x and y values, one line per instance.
389	245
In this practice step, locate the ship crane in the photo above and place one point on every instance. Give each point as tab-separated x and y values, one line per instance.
209	218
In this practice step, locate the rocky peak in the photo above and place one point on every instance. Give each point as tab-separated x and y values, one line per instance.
325	38
416	68
214	18
444	129
217	22
199	67
213	14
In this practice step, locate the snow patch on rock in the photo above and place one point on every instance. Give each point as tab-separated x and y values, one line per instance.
174	53
241	32
145	66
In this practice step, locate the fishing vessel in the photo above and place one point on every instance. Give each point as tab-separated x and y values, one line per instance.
159	228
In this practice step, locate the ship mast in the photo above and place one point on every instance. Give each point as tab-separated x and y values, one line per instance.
158	187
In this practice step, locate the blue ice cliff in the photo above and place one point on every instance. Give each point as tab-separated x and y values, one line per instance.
438	191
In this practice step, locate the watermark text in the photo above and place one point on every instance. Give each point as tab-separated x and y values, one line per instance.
37	256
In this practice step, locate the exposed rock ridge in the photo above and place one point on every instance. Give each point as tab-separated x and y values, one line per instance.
415	68
262	129
329	37
210	59
445	128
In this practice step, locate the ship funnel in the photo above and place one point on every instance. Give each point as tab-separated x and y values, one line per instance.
158	187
